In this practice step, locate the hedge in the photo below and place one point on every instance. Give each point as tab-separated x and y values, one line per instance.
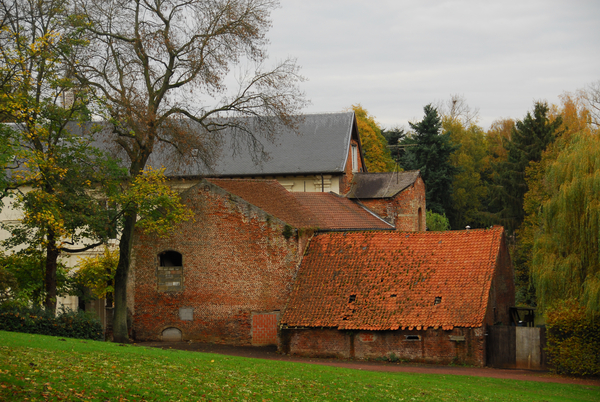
37	321
573	340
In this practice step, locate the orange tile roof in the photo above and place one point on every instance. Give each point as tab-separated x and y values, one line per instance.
271	197
334	212
395	278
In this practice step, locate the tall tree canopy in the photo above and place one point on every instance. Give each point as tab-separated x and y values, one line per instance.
431	155
161	69
374	144
55	170
470	191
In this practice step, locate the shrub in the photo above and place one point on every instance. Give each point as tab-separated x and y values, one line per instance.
437	222
573	340
38	321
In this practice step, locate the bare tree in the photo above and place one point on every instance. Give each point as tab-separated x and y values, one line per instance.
456	108
591	97
161	68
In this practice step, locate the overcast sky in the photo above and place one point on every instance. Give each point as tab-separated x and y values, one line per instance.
395	56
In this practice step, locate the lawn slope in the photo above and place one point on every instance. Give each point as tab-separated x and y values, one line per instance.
44	368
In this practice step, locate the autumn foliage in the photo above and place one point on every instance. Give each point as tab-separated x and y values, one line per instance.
573	340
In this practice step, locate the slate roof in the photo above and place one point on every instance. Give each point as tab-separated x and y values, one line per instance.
334	212
320	145
394	279
323	211
381	185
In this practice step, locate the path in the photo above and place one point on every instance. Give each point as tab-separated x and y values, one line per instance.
270	352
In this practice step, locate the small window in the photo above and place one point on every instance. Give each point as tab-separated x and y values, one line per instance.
437	300
170	271
352	298
354	158
412	337
170	259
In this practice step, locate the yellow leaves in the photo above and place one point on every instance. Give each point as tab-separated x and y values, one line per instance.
95	272
377	154
158	206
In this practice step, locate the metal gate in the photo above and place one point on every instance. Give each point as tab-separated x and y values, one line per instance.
516	347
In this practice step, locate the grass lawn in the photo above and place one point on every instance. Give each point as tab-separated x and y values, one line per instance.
45	368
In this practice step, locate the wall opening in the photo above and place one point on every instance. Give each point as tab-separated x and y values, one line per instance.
170	271
420	220
171	335
170	259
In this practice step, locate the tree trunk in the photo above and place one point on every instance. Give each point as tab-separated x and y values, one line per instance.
120	328
50	276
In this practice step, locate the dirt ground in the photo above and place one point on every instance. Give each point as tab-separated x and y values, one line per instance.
270	352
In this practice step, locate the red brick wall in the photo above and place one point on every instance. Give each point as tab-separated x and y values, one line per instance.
403	210
264	329
236	264
434	346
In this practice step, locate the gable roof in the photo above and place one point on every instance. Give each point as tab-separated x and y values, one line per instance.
381	185
271	197
395	278
334	212
324	211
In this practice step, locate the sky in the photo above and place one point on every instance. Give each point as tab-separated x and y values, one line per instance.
395	57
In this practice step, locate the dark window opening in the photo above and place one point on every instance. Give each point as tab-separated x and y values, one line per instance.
412	337
170	259
437	300
392	295
351	298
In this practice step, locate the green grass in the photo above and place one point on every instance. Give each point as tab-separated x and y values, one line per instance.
45	368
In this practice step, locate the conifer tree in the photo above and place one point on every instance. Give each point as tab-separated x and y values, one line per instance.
529	139
431	155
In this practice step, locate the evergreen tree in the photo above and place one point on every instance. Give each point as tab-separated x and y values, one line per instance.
529	139
393	138
431	155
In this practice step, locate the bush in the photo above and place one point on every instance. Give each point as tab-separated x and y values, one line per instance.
37	321
573	340
437	222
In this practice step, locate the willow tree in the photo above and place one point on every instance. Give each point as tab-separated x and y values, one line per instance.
163	69
566	252
561	232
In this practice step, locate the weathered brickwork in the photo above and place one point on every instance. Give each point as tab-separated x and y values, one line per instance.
502	290
236	263
406	210
264	329
460	345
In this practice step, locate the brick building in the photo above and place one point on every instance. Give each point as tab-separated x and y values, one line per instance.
398	197
426	296
226	275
